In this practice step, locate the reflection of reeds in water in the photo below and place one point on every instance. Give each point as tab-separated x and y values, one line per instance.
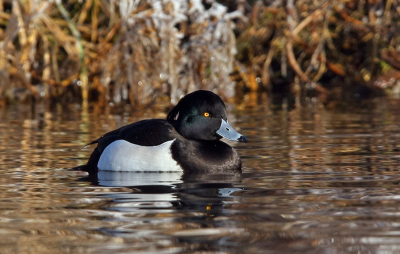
133	50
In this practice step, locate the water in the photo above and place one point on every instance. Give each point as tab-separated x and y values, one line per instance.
315	180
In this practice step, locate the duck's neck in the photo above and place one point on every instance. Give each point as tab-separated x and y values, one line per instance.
212	155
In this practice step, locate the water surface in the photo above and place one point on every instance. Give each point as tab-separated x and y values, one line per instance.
315	180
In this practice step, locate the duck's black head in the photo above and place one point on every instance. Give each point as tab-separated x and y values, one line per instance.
201	115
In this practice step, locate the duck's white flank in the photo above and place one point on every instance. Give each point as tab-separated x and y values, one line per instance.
122	155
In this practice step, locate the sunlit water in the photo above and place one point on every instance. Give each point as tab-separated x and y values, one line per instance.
315	180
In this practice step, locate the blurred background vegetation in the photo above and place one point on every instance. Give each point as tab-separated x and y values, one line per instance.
141	51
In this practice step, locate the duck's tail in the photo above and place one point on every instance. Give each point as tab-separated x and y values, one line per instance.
79	168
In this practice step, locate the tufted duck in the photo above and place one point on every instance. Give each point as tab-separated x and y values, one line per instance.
188	140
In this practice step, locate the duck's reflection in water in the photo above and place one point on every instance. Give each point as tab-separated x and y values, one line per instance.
136	179
177	180
220	184
180	199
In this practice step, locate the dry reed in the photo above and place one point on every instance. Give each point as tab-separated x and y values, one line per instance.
139	50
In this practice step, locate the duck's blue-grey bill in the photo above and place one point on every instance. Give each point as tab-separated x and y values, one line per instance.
226	131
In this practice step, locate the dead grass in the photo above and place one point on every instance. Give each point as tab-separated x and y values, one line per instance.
138	50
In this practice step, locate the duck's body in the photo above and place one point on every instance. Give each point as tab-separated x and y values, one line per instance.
189	141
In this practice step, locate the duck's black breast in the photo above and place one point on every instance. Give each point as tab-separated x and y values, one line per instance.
205	156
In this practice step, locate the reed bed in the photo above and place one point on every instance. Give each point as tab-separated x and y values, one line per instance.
138	51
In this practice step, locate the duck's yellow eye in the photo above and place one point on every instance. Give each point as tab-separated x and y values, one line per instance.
206	114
